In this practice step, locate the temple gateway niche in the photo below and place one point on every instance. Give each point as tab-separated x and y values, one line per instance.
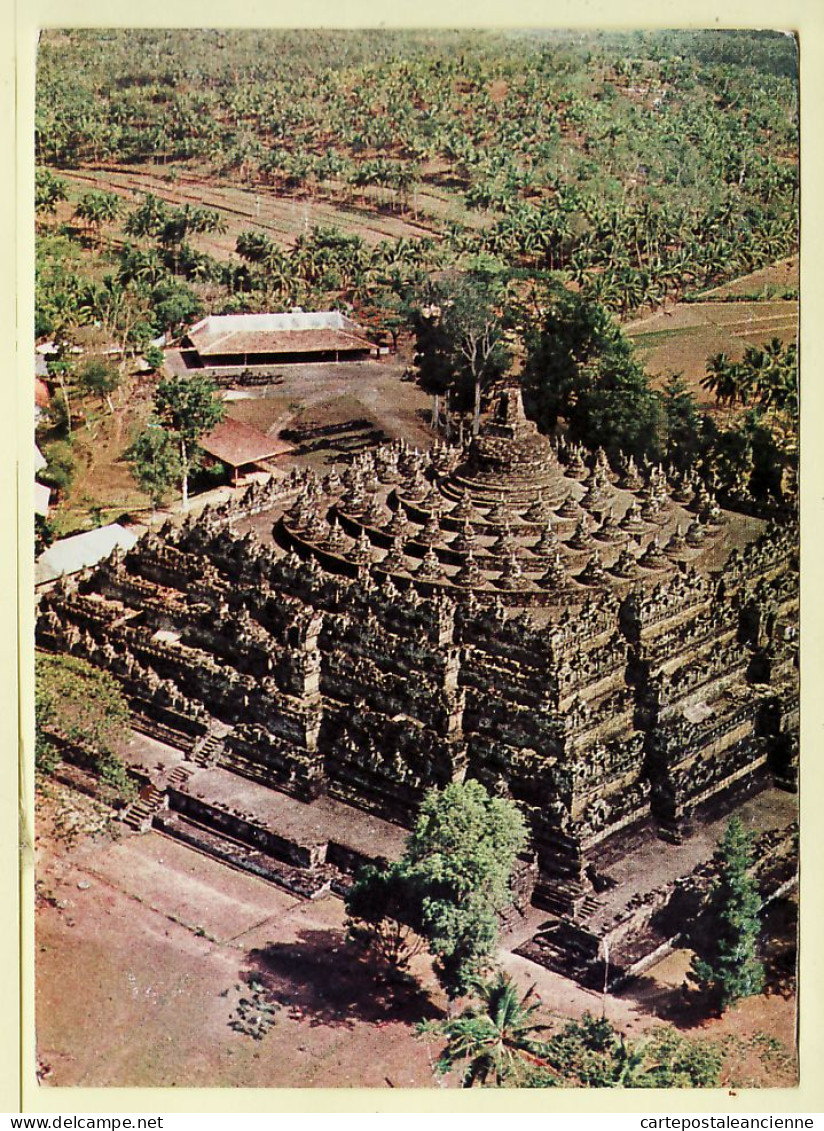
603	644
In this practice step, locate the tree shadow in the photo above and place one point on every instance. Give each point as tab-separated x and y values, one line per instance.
688	1008
779	947
329	984
682	1008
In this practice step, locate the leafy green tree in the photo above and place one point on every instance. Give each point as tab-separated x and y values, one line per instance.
85	707
48	192
154	358
155	461
62	367
436	366
148	218
189	407
139	266
98	208
173	226
671	1060
453	881
724	380
385	313
726	965
770	373
379	917
617	410
581	368
495	1038
460	333
462	852
61	466
591	1053
175	305
682	424
97	376
43	534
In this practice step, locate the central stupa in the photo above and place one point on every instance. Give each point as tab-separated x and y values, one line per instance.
509	461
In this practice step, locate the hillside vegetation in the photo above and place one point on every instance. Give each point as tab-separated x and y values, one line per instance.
184	172
644	164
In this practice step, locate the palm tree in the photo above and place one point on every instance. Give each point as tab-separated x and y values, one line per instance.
148	218
140	266
772	376
725	380
496	1036
96	209
48	192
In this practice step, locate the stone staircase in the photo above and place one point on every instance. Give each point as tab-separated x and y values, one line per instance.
179	776
139	814
207	751
589	905
566	949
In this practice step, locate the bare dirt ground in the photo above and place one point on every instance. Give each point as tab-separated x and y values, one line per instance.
145	947
316	396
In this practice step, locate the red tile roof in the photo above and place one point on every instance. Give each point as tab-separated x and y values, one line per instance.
280	341
237	444
296	332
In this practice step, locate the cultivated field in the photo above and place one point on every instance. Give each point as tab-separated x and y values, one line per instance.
281	217
681	339
779	276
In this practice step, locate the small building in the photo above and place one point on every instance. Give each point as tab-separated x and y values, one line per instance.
42	493
241	447
70	555
42	499
245	340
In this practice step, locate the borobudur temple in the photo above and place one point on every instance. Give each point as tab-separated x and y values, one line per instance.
603	644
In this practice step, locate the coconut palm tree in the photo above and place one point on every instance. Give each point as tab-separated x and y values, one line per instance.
96	209
724	381
772	376
49	190
137	265
147	219
495	1038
